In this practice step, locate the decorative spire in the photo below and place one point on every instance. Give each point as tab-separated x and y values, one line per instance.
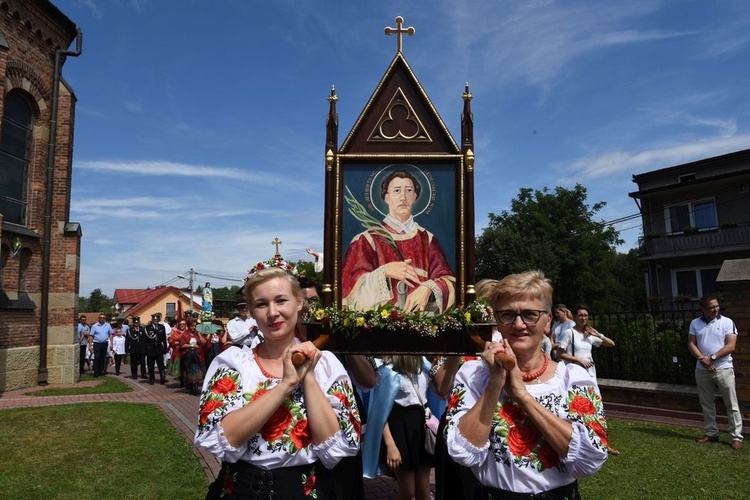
399	31
332	123
467	121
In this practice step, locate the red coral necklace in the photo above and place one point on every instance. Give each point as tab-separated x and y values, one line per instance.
262	370
528	377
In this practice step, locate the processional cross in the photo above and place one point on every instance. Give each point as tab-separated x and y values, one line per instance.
399	32
277	242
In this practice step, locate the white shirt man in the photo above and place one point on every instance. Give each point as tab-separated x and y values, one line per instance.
712	340
243	330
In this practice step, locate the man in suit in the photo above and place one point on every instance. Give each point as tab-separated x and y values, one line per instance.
135	345
156	346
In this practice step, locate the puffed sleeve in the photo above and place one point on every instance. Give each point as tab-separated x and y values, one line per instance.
222	393
470	382
565	339
584	408
336	385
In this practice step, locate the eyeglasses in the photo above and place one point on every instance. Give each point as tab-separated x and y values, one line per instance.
528	316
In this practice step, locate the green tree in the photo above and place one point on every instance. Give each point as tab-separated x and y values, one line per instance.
307	268
96	301
555	232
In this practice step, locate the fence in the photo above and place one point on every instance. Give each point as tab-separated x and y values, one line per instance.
649	346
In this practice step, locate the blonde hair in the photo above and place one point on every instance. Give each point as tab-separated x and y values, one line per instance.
527	285
565	310
484	287
265	275
404	364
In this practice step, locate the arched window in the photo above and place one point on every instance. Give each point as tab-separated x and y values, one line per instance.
14	157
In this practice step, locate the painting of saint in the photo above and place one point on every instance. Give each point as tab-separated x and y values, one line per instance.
396	259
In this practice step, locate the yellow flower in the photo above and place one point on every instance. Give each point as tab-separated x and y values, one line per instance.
467	317
384	314
434	328
360	321
346	322
319	314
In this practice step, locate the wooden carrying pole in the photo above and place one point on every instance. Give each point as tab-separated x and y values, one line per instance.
500	358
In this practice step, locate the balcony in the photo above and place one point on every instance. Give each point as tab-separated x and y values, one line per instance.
734	239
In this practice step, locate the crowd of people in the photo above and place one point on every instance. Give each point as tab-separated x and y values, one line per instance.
159	348
288	420
291	430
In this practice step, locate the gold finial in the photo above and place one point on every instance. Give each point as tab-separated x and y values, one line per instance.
399	31
277	242
333	97
469	159
467	95
329	160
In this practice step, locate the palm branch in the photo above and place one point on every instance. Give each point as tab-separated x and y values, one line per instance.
370	223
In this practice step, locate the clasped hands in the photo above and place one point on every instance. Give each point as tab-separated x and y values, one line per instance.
405	272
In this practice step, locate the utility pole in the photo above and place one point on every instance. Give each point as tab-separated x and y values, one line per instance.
192	276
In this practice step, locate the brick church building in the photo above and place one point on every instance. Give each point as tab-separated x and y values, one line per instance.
40	246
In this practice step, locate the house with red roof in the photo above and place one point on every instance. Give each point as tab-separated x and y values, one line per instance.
143	302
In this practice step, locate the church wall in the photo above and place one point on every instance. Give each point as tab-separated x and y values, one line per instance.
34	30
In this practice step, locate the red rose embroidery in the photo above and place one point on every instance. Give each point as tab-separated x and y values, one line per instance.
453	401
225	386
356	424
209	407
275	426
548	456
258	394
309	486
228	486
512	413
522	438
582	406
342	397
599	430
300	434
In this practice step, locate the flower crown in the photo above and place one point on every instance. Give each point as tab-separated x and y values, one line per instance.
277	261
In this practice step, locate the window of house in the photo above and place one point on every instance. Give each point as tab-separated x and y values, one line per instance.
695	282
171	308
14	157
698	214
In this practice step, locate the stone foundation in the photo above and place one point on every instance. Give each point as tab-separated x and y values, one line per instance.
19	366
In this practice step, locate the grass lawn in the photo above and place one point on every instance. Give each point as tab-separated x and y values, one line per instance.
664	462
96	451
109	384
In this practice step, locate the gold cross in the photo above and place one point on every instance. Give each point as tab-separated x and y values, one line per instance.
399	31
277	242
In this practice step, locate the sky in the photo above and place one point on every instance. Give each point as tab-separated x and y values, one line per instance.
200	126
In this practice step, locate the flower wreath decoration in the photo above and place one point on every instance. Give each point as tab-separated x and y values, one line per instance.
352	323
277	261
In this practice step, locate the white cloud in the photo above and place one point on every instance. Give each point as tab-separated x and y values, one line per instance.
605	164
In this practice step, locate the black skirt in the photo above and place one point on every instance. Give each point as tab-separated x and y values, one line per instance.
407	428
242	480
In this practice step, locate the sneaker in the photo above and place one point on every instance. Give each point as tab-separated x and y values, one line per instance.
708	439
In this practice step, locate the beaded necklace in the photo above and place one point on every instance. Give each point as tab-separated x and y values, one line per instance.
262	370
535	376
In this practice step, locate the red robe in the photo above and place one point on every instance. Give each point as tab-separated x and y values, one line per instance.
365	285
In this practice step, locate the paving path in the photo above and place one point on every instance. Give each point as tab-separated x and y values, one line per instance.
178	405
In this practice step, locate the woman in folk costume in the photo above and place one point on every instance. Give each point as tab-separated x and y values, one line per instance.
276	428
531	431
192	357
396	422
